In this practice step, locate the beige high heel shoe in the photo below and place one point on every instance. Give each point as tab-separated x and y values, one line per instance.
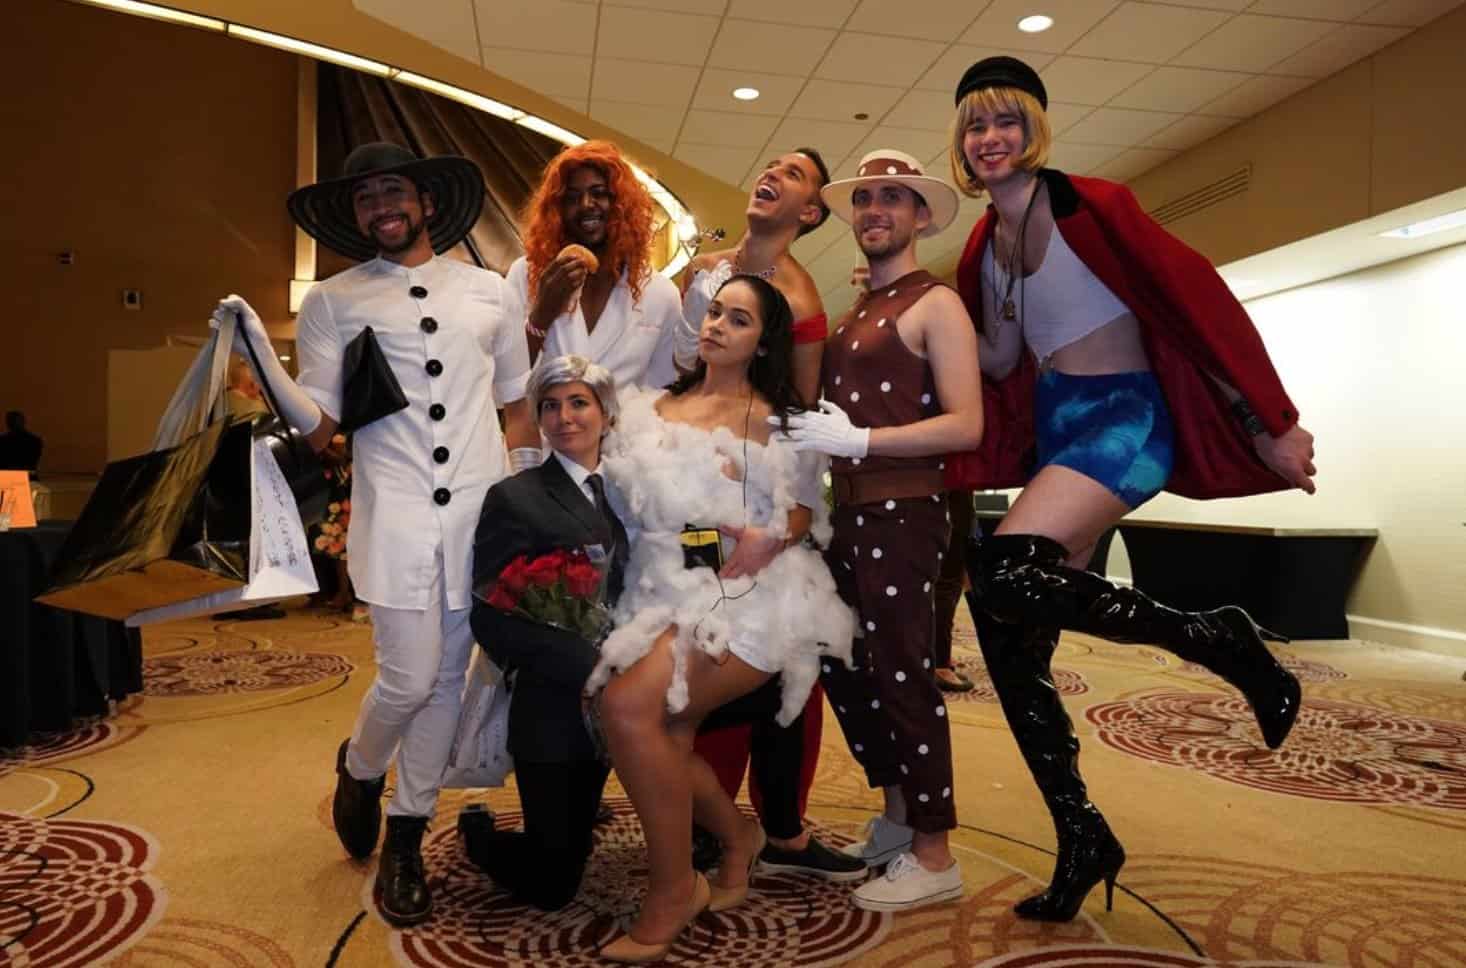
627	950
725	898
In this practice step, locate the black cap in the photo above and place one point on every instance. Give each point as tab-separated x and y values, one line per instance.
1002	72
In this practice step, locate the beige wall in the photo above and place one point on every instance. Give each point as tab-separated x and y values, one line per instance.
1381	134
1374	361
161	157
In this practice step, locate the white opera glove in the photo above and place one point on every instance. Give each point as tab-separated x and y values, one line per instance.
296	406
827	430
523	458
704	286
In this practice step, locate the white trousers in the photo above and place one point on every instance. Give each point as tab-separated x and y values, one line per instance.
412	706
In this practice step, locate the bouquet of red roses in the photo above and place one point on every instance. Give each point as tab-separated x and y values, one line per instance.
565	589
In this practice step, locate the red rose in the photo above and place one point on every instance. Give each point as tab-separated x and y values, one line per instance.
513	577
503	599
546	570
582	578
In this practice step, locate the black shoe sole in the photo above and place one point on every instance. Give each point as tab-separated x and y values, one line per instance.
834	877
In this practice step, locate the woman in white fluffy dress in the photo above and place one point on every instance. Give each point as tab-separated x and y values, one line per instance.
689	640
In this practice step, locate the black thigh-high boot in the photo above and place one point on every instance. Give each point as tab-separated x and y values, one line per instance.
1022	577
1017	657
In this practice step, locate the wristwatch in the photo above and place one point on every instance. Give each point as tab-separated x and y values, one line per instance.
1248	417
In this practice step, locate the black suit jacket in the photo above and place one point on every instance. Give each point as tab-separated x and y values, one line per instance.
534	512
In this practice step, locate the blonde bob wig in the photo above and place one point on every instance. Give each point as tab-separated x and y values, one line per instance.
1037	138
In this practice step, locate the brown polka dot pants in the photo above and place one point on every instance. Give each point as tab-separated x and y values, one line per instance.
886	558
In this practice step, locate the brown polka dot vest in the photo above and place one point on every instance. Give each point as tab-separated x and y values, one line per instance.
870	373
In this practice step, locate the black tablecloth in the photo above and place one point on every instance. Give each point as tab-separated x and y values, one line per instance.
55	665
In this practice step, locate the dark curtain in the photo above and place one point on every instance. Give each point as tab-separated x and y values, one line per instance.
356	108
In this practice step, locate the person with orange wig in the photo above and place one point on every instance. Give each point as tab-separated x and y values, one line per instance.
585	285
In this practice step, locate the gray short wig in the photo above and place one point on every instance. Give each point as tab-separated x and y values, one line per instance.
552	372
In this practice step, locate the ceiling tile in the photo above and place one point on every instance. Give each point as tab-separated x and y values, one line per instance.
998	25
1084	80
1080	159
928	19
1063	116
872	59
841	100
1119	126
919	144
1236	6
580	105
727	128
663	85
776	91
1408	13
1133	162
808	13
653	127
832	139
1190	131
560	26
1249	43
1314	9
752	46
1148	32
1180	89
552	74
720	161
1348	44
634	33
928	110
710	7
447	24
949	68
1250	97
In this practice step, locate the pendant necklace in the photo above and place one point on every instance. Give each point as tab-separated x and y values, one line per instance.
1009	310
764	274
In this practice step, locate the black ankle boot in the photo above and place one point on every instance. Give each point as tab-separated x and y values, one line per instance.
1017	658
356	809
402	888
1023	576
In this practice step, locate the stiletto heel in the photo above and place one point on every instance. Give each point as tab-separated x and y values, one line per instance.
628	951
1110	890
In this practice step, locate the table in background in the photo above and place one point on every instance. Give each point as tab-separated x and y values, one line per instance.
55	665
1292	580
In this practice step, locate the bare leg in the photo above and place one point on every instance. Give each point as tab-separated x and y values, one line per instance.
1068	507
654	760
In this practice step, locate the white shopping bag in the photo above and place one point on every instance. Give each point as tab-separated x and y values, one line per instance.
279	556
480	754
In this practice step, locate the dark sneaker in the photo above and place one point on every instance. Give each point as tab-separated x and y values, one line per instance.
356	809
815	859
402	885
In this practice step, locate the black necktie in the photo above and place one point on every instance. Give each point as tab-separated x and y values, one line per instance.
619	548
598	489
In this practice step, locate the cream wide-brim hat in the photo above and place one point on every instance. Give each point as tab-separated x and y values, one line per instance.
890	165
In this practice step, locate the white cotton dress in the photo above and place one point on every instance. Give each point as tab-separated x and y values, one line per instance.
784	619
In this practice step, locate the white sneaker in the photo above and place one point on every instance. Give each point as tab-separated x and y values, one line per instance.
884	841
907	885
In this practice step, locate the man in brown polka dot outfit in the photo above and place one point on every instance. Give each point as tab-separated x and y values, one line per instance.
901	389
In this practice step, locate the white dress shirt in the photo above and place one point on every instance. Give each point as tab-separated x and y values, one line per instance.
631	339
419	475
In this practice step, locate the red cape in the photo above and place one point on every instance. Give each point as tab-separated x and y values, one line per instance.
1190	323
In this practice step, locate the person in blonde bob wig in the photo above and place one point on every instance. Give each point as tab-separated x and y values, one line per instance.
1038	136
552	372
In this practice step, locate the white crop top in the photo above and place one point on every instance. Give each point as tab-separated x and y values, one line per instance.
1065	302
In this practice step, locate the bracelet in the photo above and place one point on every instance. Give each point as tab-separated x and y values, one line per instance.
1248	417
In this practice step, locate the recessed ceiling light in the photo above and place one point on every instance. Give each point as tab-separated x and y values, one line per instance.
1035	24
746	93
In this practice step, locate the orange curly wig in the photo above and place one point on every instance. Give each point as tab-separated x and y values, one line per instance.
628	228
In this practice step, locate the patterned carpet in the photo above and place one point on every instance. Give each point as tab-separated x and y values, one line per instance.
192	828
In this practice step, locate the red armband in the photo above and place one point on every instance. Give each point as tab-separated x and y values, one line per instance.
811	330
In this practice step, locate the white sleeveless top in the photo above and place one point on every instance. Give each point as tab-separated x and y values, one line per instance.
1061	303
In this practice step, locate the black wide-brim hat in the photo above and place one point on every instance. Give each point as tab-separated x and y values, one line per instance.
1002	72
324	210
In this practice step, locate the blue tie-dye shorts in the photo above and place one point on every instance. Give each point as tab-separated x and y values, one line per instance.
1114	428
